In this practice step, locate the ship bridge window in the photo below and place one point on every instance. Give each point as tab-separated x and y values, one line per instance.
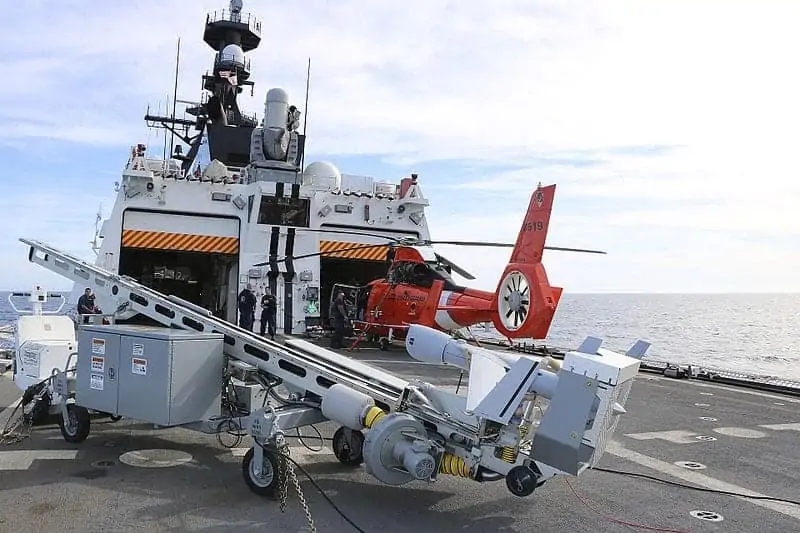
274	211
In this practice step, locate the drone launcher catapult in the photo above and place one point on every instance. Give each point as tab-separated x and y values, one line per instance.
524	418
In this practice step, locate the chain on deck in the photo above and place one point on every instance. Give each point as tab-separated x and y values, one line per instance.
286	471
18	427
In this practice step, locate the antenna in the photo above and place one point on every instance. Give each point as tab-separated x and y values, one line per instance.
97	221
305	116
166	102
175	96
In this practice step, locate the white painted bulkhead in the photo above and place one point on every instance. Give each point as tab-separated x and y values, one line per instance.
354	206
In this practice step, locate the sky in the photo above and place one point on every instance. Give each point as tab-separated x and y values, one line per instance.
669	127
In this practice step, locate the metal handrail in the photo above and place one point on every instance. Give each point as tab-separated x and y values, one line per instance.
227	15
23	294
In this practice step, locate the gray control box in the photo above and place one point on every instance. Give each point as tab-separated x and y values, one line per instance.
160	375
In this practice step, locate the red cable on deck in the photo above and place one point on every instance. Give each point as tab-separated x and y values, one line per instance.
585	502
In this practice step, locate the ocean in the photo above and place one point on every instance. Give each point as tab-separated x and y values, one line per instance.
753	333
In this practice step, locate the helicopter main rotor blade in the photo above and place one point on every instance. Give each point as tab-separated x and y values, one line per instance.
359	233
580	250
316	254
509	245
411	241
472	243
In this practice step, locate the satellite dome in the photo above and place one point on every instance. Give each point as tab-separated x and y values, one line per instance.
232	54
322	174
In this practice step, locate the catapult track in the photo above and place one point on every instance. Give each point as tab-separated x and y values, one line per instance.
320	368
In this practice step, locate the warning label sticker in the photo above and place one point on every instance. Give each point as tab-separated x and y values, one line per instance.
98	363
138	350
139	366
96	381
99	346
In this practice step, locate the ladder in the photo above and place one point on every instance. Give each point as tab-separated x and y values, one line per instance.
300	364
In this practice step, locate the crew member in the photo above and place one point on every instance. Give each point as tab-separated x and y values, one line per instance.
247	308
269	308
339	321
87	306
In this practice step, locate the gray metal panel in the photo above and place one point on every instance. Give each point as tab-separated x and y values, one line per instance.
144	384
152	332
97	369
558	439
196	381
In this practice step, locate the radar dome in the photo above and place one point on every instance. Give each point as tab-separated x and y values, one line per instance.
232	53
323	175
276	94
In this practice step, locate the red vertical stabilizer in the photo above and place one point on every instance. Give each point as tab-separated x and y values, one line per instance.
524	301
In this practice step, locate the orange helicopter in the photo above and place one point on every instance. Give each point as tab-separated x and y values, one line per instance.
418	287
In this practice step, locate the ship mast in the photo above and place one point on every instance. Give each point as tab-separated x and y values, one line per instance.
231	34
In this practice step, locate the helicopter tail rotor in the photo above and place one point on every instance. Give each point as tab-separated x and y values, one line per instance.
525	302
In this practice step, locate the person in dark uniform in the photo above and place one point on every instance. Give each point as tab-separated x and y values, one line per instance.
87	306
339	321
269	308
247	308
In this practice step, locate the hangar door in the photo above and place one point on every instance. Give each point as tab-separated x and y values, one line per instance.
193	257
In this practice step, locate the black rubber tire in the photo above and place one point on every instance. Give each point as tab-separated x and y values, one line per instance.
521	481
260	487
348	446
383	344
81	423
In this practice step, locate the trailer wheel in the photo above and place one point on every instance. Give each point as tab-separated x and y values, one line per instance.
348	446
522	481
76	428
265	484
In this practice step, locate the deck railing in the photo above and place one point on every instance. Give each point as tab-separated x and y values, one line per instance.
241	18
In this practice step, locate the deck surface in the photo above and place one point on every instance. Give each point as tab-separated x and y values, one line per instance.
745	441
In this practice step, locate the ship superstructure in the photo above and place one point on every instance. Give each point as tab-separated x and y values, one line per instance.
196	231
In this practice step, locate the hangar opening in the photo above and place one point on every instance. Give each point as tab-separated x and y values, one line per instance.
349	263
195	258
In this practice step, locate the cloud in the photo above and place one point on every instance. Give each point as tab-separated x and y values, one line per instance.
454	81
667	125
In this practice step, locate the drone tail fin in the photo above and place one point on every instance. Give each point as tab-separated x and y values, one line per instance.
524	301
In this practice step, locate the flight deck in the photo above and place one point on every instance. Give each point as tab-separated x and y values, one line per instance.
714	437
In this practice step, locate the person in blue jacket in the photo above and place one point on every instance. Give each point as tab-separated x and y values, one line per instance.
269	310
247	308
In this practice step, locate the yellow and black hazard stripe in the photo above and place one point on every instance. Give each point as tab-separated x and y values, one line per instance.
185	242
353	250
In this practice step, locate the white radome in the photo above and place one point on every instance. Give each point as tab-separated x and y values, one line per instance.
322	174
